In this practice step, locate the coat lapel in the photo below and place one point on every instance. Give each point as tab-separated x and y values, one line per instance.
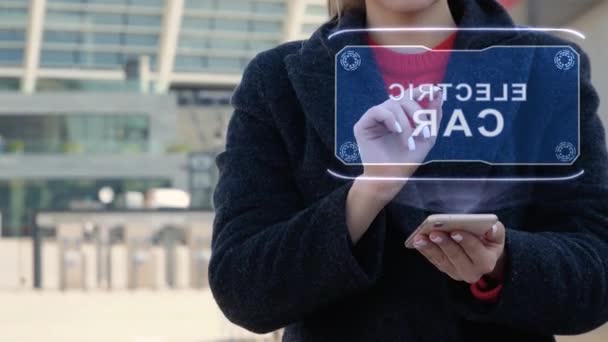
315	92
312	73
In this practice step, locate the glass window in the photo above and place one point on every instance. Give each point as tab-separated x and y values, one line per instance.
54	58
107	38
234	5
54	85
267	26
107	19
143	20
12	35
11	56
77	132
230	25
269	8
66	1
13	14
228	44
192	42
63	17
10	84
189	62
225	64
200	4
153	61
107	59
108	2
150	3
196	23
62	36
259	45
141	39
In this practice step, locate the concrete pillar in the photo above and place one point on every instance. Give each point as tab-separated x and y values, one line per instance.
167	48
35	29
293	19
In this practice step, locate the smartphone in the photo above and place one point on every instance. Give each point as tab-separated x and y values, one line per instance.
476	224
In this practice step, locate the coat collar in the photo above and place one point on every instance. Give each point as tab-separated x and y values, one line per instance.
311	68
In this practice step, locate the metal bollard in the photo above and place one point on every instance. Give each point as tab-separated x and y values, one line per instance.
103	251
141	261
199	243
72	261
170	236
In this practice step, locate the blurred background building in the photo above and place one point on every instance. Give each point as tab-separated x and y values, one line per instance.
134	94
119	93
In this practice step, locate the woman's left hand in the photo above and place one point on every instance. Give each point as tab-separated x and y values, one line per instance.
464	256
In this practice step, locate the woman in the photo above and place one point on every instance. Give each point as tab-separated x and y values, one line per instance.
295	247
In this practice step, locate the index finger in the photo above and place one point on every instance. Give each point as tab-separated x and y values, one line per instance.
474	247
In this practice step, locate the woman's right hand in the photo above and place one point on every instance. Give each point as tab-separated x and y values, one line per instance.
384	137
387	149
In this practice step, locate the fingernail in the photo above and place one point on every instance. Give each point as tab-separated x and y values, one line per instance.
419	243
494	229
411	144
436	239
398	127
426	132
457	237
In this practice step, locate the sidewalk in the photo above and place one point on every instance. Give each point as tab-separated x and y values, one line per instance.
146	316
119	316
97	316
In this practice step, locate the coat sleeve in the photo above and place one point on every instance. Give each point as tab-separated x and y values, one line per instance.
274	258
557	273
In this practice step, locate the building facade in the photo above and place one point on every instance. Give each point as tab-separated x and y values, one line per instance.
130	94
59	44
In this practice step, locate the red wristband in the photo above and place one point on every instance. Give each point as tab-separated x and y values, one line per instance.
483	291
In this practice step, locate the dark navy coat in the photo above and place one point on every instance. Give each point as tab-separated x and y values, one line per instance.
282	255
